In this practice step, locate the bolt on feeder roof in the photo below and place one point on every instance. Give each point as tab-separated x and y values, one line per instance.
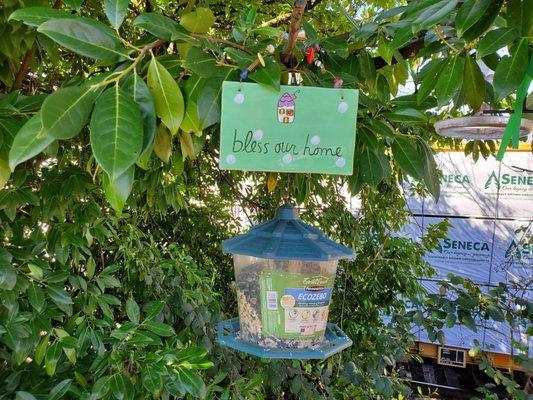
284	275
286	237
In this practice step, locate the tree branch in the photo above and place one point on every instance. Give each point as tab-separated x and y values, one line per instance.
296	20
24	68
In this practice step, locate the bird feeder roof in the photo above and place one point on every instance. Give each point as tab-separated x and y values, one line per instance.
286	237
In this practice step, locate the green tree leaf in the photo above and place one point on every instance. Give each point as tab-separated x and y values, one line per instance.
191	382
431	177
484	21
59	295
51	358
115	11
93	39
198	21
433	14
406	115
201	63
118	190
269	75
121	387
511	70
21	395
473	83
163	144
41	348
116	132
495	40
151	379
66	111
169	104
163	28
29	141
8	277
469	13
133	311
406	153
138	90
429	75
370	168
159	328
59	390
35	16
450	80
36	297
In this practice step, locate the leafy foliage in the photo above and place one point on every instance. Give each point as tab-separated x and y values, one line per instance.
112	205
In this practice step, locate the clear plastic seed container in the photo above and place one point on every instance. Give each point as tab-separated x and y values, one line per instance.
283	303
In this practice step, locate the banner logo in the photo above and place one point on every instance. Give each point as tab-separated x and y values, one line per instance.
492	178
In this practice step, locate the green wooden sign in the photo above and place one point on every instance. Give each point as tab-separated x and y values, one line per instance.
299	129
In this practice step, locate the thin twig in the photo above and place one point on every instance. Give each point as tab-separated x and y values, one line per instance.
223	41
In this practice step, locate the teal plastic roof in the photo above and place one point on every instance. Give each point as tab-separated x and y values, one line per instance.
286	237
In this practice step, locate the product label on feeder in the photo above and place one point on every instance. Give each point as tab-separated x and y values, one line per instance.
295	306
298	129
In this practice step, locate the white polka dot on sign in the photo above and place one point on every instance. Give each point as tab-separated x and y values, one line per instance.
315	139
258	134
230	159
340	162
343	107
239	98
287	159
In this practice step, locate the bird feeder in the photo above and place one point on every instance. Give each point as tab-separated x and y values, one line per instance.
481	127
284	274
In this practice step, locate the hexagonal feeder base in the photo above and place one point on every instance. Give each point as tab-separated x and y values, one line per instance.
336	341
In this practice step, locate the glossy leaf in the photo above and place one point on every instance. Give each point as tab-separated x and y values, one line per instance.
198	21
406	115
169	104
163	27
511	70
433	15
132	310
473	83
29	141
118	190
36	297
430	75
115	11
431	176
138	90
406	154
66	111
192	383
269	75
35	16
469	13
151	379
121	387
159	328
116	132
59	295
495	40
93	40
201	63
21	395
370	167
8	277
450	80
51	358
485	21
60	390
163	144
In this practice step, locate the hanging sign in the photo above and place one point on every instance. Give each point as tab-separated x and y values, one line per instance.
299	129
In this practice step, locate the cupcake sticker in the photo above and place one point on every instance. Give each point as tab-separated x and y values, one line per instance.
286	108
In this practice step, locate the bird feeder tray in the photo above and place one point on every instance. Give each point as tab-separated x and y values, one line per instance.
479	127
284	275
335	340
